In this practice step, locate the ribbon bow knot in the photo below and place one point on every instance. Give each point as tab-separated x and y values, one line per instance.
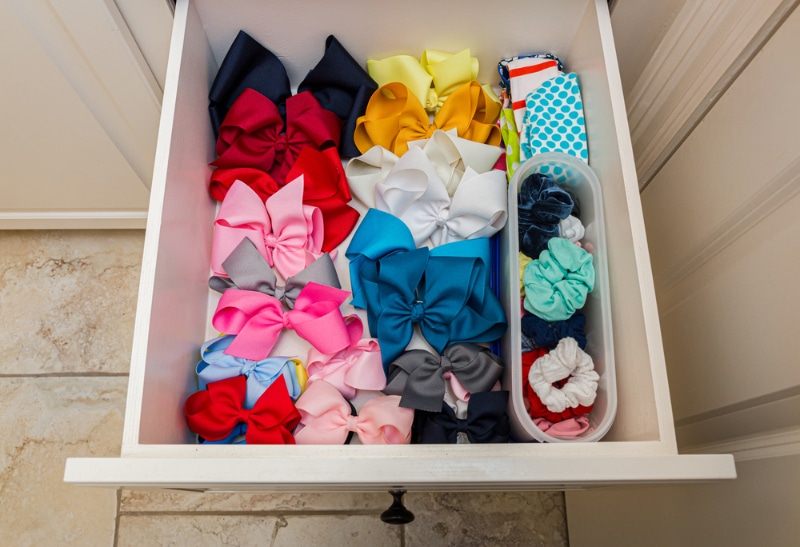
215	412
327	418
419	376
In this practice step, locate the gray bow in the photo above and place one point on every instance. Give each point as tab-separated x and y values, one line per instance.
418	375
248	270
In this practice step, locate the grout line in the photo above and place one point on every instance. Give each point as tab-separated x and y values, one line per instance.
276	513
116	518
67	375
403	535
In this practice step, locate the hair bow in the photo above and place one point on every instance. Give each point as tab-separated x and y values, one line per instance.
286	233
486	421
394	117
546	334
249	271
414	193
448	297
566	362
327	418
216	365
558	282
542	205
214	412
419	376
381	234
324	186
444	71
338	82
258	319
358	367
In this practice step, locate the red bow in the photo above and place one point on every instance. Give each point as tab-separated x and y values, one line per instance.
214	412
252	133
324	186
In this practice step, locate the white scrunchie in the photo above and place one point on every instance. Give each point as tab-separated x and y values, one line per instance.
571	228
566	360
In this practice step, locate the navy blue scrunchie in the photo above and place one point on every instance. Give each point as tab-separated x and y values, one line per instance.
547	334
542	204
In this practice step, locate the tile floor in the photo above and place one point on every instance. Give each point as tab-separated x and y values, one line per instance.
68	301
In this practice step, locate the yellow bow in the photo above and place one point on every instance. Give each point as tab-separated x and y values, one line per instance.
394	117
447	72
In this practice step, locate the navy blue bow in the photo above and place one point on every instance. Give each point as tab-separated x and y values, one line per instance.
486	421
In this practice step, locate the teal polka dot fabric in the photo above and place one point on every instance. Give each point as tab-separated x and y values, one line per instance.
553	120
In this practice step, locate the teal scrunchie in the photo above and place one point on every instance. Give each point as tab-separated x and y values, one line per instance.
556	283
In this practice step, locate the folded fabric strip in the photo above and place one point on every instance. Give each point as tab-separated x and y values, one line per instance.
553	120
447	297
558	282
253	134
217	365
327	418
394	117
566	361
446	72
338	82
358	367
547	334
214	412
286	233
502	67
525	76
510	134
381	234
258	319
324	186
536	408
542	205
249	271
419	376
486	421
414	193
565	429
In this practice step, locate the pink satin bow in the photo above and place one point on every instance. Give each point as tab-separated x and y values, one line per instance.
353	368
258	319
326	418
287	233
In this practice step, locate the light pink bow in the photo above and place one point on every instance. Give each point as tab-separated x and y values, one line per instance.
356	367
326	418
258	319
286	233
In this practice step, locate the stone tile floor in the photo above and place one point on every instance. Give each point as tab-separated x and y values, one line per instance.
68	302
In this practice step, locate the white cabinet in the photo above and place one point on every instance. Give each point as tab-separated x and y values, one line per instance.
174	302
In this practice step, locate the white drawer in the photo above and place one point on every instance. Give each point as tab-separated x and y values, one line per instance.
174	305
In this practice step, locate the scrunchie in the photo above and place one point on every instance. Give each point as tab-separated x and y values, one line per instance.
394	117
537	409
566	361
547	334
557	283
542	205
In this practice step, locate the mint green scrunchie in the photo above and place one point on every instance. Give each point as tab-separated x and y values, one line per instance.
556	283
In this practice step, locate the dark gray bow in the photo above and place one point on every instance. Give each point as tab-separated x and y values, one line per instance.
248	270
418	375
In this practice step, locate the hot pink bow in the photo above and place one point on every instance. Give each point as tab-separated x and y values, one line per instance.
353	368
258	319
286	233
326	418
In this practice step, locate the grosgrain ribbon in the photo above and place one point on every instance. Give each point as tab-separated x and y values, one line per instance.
486	421
448	297
253	134
216	365
324	186
558	282
542	205
419	376
258	319
327	418
394	117
286	233
381	234
214	412
248	270
358	367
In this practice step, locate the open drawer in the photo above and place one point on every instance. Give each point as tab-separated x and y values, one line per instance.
175	306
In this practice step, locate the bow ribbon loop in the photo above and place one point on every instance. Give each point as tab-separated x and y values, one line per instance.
327	418
358	367
419	376
287	233
486	421
215	412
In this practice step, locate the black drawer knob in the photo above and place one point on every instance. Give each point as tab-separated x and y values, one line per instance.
397	512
